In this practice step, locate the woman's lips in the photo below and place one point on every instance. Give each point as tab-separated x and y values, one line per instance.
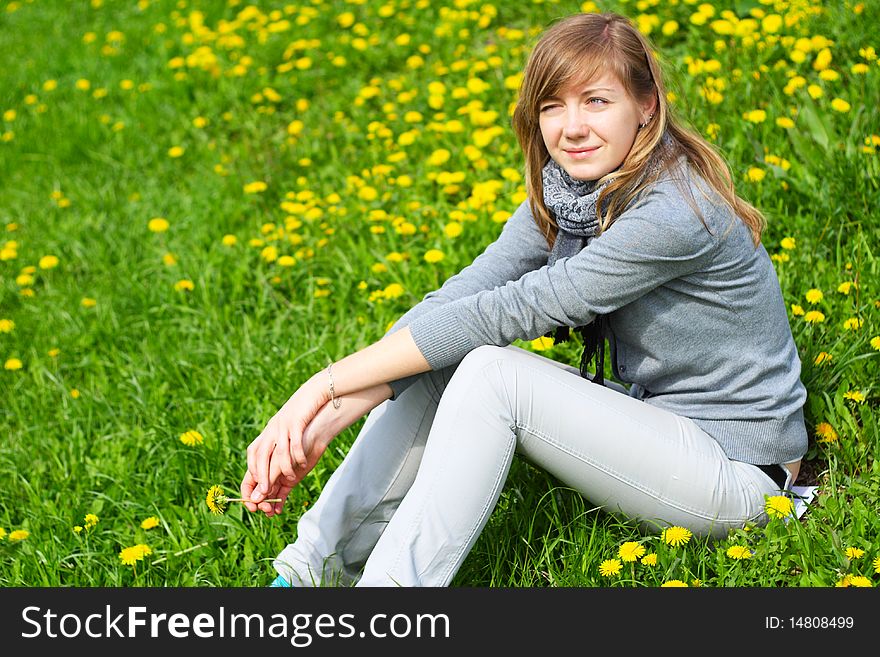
581	153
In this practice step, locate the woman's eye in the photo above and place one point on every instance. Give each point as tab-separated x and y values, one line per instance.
597	101
544	108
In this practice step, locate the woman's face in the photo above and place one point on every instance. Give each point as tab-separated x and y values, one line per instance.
589	127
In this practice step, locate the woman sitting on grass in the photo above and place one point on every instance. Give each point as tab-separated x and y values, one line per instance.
633	233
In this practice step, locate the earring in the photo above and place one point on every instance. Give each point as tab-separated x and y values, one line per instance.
647	121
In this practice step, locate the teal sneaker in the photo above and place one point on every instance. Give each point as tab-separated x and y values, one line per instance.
280	581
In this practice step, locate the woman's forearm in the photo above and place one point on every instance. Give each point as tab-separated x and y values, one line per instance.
393	357
354	406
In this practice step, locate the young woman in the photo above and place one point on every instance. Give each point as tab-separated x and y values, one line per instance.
632	233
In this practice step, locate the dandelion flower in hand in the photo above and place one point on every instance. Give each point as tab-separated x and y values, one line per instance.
217	501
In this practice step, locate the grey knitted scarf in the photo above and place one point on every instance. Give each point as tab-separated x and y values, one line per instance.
573	205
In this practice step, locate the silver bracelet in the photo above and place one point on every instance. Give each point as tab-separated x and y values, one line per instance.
336	402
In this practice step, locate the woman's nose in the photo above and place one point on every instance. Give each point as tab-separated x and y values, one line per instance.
575	125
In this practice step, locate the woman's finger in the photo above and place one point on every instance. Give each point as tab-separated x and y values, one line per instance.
281	456
252	454
297	452
261	463
246	489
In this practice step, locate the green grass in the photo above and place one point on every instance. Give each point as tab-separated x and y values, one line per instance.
151	362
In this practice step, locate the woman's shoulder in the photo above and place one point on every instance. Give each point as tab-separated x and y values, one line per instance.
683	199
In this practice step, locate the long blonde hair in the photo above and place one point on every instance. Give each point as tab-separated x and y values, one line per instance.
582	47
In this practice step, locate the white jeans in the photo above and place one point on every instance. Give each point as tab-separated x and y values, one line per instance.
408	502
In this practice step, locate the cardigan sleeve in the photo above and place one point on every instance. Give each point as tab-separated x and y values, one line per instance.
645	248
519	248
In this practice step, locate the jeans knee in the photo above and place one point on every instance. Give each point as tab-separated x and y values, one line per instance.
482	356
473	366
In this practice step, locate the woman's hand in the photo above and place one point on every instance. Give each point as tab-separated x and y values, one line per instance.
317	436
279	449
327	423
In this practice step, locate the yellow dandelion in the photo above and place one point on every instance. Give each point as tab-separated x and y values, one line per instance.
74	393
755	116
255	187
676	536
876	564
434	255
845	287
229	240
796	310
826	433
814	317
217	501
77	529
649	559
778	506
840	105
90	521
630	551
541	344
754	174
610	567
787	243
150	522
853	323
814	296
6	325
854	553
674	583
48	262
19	535
439	157
2	533
131	555
184	285
739	552
823	357
88	302
158	225
875	342
169	259
453	229
192	438
12	364
854	395
393	291
784	122
175	151
860	581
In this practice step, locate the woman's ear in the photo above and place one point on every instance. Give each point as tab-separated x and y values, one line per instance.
649	109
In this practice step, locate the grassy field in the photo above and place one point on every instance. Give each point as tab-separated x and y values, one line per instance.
204	201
